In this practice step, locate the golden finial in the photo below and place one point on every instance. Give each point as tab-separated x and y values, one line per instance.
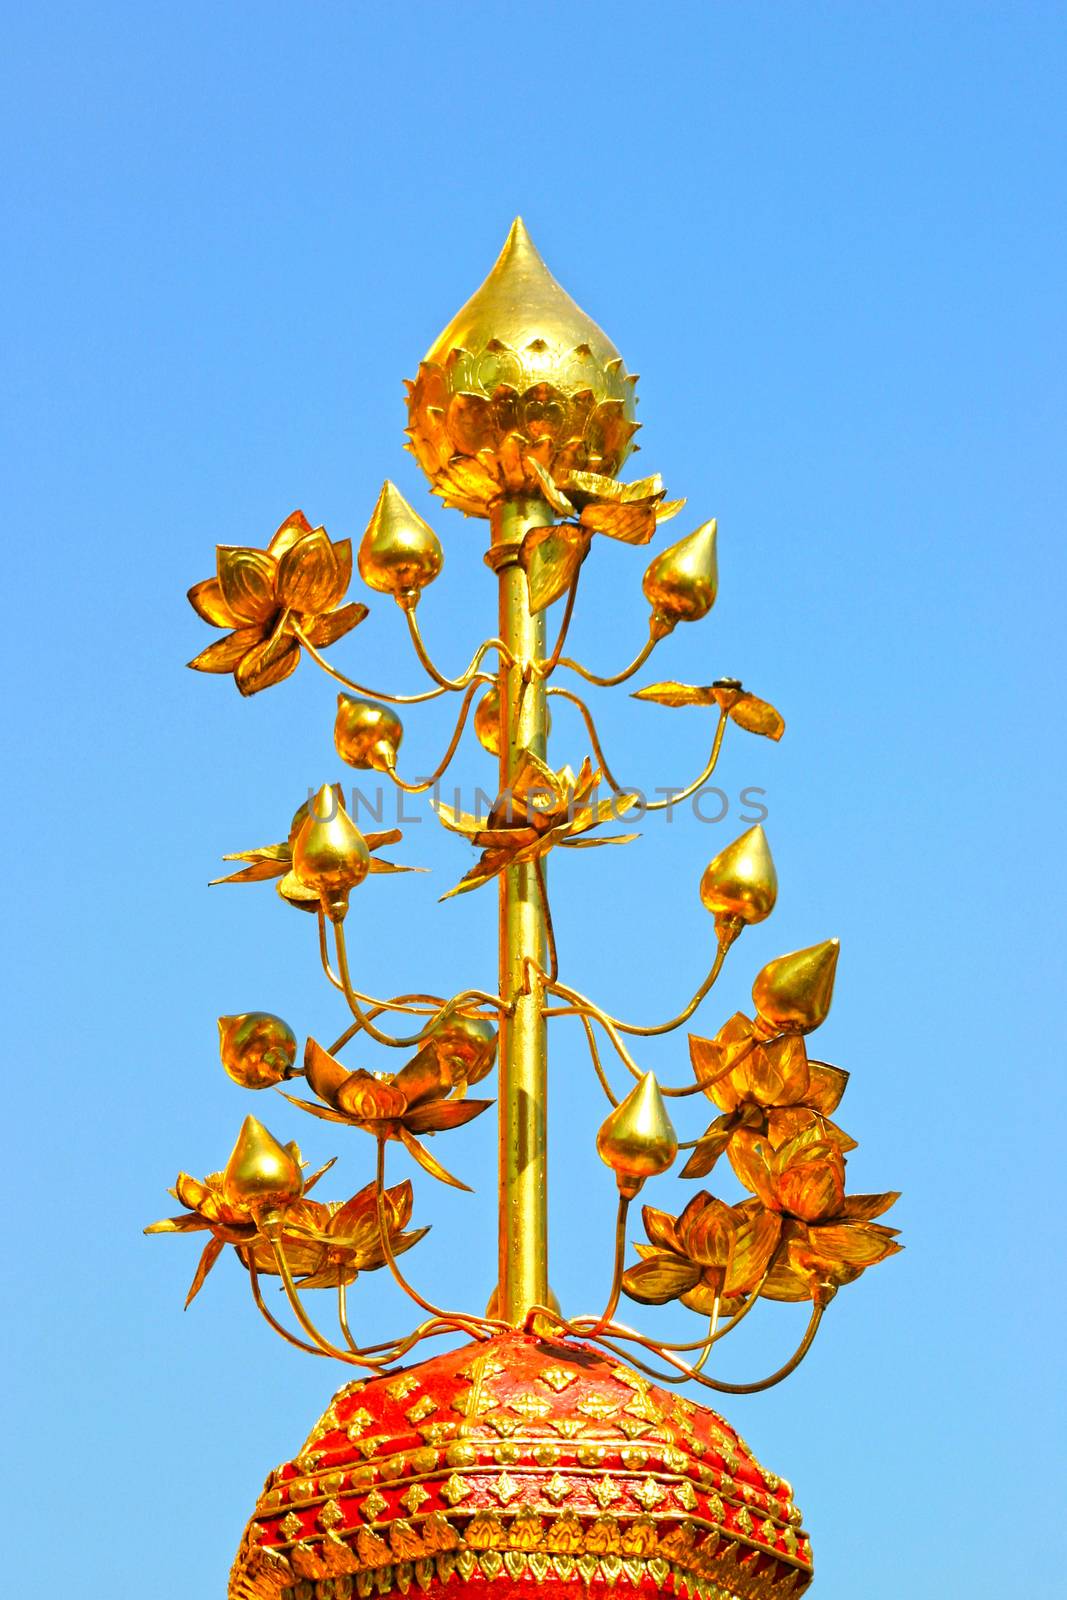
740	886
792	994
367	735
637	1140
399	553
257	1048
260	1171
521	374
330	854
681	584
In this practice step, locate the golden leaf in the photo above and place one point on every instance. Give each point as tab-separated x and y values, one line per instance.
675	694
333	625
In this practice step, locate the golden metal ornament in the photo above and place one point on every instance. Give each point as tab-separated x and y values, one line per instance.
740	885
399	553
260	1171
792	994
522	414
519	376
330	855
637	1140
681	585
365	735
258	1049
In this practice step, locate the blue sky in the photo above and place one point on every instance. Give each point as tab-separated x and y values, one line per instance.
830	237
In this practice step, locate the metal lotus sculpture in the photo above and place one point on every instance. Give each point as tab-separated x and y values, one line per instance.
545	1455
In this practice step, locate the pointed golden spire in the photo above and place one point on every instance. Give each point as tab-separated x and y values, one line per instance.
521	374
519	303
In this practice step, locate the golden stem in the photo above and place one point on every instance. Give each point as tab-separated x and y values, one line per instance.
616	1276
442	765
545	669
620	677
423	654
523	1211
454	1318
674	798
361	688
582	1006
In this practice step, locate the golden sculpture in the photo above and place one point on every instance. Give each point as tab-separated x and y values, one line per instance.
522	414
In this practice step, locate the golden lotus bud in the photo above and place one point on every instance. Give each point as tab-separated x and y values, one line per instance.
487	721
638	1140
330	854
367	735
681	584
520	374
258	1049
260	1171
792	994
464	1043
400	553
740	886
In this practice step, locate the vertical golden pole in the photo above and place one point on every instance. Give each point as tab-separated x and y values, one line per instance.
523	1217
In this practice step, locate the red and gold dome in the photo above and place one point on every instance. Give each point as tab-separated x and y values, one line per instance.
528	1462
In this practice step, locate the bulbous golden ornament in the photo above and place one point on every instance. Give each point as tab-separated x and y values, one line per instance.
261	1172
463	1043
793	993
257	1048
330	854
682	582
487	721
399	553
520	375
637	1140
740	886
366	735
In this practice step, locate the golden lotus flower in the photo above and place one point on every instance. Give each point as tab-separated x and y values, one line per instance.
425	1096
816	1259
542	809
593	503
298	581
828	1237
749	1076
711	1252
325	1244
276	860
521	378
749	712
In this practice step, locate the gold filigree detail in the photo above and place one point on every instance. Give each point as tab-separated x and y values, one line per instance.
649	1493
414	1498
421	1410
557	1488
557	1378
373	1506
401	1387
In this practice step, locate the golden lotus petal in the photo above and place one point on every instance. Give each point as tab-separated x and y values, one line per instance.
309	577
225	654
675	694
247	581
207	601
267	664
659	1278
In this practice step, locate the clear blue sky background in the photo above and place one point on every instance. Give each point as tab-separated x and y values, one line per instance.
830	237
